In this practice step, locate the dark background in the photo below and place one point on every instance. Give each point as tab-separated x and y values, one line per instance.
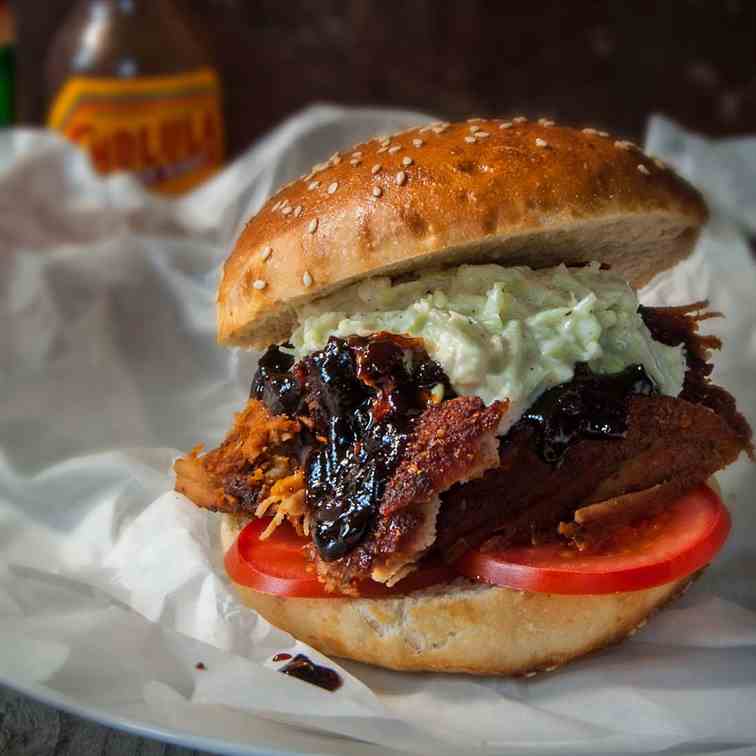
608	64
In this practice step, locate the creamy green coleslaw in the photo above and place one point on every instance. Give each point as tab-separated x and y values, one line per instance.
503	333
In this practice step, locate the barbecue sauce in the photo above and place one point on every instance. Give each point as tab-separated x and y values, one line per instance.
591	405
274	385
368	392
362	395
305	669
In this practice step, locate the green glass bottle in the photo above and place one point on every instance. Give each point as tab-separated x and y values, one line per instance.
6	64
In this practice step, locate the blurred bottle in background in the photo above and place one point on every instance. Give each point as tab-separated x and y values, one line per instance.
6	64
130	82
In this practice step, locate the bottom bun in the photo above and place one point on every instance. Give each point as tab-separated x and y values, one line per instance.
461	626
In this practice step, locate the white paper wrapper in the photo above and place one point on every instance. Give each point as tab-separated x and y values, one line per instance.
111	588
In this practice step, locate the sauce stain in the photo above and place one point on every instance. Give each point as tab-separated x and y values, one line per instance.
305	669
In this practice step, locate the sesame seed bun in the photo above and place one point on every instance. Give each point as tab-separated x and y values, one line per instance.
517	193
461	626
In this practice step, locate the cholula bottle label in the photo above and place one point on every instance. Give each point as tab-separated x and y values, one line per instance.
165	130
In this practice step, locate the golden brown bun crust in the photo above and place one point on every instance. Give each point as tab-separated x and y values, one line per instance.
463	627
530	194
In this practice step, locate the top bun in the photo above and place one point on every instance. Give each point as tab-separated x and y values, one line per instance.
483	190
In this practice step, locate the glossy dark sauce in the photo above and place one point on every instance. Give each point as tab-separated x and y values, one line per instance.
591	405
304	669
362	396
367	391
274	385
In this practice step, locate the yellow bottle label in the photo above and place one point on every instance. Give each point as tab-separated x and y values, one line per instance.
166	130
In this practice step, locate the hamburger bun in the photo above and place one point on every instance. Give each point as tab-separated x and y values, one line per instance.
461	626
519	193
487	190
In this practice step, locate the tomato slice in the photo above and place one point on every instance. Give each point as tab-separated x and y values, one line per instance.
677	542
278	565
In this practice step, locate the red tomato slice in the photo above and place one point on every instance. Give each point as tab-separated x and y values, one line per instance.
682	539
278	565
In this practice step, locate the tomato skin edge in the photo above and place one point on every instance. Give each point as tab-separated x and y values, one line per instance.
478	566
244	572
236	565
295	579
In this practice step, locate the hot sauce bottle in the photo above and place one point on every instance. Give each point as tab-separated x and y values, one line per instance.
130	83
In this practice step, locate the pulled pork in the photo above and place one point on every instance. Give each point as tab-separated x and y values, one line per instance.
256	471
365	447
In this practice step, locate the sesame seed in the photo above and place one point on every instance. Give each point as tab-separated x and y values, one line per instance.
418	142
624	145
385	142
592	132
381	149
603	134
545	122
298	211
519	119
394	149
318	167
425	130
407	161
541	142
531	674
474	120
355	162
440	129
276	206
357	154
473	129
506	125
332	187
313	185
377	191
642	168
375	169
481	134
286	210
470	139
313	227
307	278
660	164
401	178
266	253
259	284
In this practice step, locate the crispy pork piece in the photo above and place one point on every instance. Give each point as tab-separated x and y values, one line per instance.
255	471
451	442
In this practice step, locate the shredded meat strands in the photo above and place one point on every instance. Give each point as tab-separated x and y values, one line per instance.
672	444
255	471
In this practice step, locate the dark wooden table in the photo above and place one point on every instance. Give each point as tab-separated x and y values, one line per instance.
609	64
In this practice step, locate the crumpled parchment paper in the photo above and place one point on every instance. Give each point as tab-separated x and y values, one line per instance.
111	586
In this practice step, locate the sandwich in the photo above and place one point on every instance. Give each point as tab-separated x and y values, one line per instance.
467	446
